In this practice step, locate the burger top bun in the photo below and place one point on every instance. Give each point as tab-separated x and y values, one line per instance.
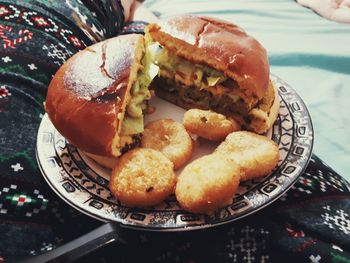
87	97
219	44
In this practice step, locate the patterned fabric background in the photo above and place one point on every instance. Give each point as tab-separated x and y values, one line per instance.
311	223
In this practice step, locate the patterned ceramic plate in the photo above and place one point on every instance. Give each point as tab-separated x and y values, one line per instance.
84	184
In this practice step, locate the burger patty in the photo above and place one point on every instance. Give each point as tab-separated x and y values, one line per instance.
184	95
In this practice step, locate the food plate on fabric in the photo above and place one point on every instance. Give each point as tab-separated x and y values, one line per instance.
83	184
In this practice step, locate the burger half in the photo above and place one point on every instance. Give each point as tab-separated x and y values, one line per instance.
211	64
97	98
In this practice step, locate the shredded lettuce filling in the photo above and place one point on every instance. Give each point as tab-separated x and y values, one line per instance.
197	74
133	118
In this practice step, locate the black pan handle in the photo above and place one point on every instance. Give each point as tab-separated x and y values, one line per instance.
92	241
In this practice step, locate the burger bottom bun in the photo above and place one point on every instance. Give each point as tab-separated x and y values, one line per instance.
262	120
107	162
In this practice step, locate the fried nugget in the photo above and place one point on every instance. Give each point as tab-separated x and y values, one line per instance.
207	183
142	177
208	124
170	138
256	155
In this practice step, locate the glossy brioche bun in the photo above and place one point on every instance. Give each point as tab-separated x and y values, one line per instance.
88	94
219	44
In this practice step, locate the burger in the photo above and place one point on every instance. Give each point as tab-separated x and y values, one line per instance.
97	98
212	64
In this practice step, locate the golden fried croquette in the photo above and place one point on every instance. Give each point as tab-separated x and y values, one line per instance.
170	138
208	124
207	183
256	155
142	177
